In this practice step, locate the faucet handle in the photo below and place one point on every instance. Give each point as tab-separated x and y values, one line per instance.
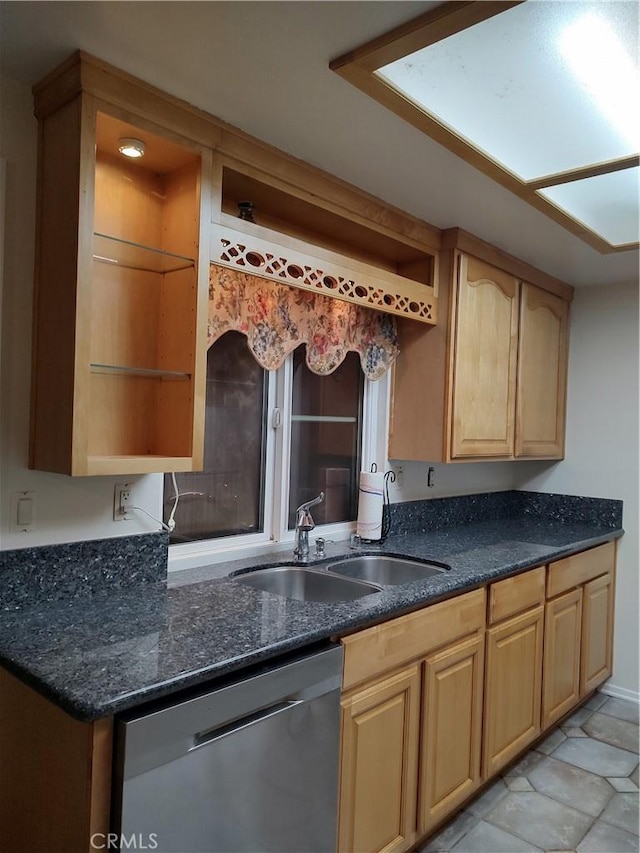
306	506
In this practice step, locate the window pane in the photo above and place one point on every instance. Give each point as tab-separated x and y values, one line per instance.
326	425
227	497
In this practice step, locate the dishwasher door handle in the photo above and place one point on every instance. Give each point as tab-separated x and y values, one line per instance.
203	738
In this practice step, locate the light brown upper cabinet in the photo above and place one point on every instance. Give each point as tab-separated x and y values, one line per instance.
483	368
489	382
119	349
542	374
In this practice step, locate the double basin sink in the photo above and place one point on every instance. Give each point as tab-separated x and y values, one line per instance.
343	580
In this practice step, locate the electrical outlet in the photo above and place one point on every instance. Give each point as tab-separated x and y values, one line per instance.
122	500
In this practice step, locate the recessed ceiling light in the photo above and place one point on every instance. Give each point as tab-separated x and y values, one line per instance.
130	147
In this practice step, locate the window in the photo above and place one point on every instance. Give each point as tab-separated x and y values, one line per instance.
227	497
326	427
273	440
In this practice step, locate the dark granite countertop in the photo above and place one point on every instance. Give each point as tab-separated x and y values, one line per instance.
125	644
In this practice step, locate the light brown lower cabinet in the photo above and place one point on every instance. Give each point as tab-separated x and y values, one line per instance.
493	669
380	730
55	774
562	633
413	687
451	730
578	649
512	688
597	632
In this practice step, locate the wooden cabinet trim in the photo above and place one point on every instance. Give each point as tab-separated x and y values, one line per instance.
384	647
458	238
513	595
580	568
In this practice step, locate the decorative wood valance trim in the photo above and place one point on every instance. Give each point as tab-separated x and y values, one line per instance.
292	262
276	319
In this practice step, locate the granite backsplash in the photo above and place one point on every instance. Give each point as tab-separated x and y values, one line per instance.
73	570
425	516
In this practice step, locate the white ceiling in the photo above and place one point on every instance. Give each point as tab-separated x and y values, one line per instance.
263	67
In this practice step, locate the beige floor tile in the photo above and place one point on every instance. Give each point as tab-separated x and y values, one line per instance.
572	786
596	757
486	801
596	701
554	740
452	832
623	786
524	765
622	812
578	717
621	709
540	821
486	838
613	730
604	838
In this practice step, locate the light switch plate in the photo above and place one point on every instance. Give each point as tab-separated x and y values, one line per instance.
23	512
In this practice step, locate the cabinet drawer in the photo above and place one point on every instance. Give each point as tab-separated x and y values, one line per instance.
383	647
580	568
514	595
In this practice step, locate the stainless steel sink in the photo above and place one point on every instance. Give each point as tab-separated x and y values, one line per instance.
389	571
306	584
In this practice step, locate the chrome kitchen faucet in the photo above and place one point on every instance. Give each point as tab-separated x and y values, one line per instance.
304	524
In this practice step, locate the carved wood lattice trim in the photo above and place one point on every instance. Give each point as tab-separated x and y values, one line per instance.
378	289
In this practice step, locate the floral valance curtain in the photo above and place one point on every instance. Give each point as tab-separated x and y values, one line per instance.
278	318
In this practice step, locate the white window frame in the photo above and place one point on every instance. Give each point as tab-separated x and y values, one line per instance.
275	537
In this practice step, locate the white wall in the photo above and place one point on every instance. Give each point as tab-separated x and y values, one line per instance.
66	510
467	478
602	443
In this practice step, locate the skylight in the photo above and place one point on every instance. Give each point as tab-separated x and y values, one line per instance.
543	97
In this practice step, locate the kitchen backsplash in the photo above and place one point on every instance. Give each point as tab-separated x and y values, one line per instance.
84	569
81	569
426	515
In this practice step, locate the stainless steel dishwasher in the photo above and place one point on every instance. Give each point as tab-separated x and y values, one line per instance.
249	766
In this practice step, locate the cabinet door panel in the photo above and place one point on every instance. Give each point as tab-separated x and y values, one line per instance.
378	776
484	378
451	730
542	374
561	670
513	680
597	632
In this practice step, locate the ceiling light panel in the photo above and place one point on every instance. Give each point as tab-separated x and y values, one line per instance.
543	88
607	204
